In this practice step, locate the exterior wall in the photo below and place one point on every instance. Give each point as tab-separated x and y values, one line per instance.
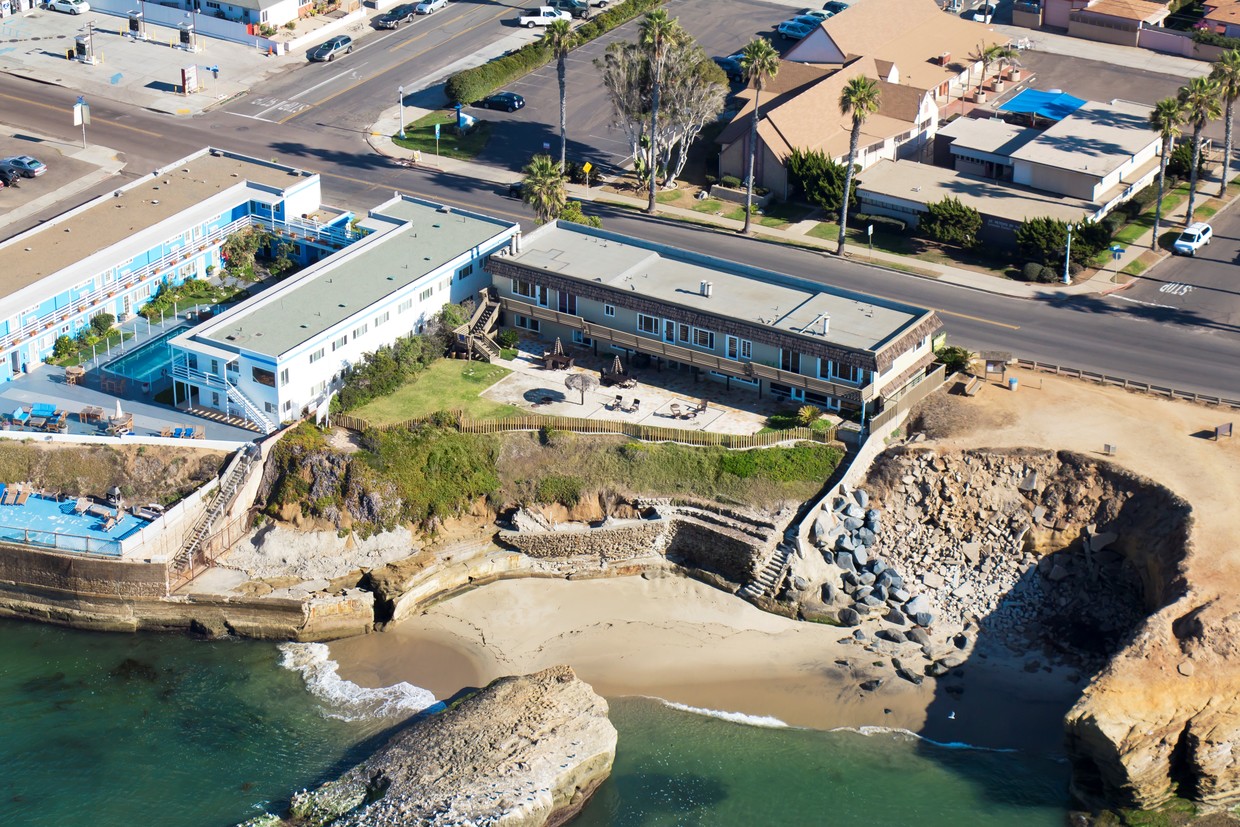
817	47
1053	179
1055	12
1103	29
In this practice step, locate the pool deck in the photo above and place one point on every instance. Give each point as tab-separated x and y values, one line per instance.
49	523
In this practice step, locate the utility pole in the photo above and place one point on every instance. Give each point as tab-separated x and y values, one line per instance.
1067	258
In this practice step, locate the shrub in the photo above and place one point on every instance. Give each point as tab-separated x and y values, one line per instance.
102	323
1031	271
507	337
1048	275
1209	38
572	212
564	490
807	414
951	222
730	181
1180	164
955	358
63	347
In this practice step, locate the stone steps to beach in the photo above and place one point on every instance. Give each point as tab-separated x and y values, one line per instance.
768	580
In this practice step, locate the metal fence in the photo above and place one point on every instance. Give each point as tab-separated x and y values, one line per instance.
578	425
60	541
1128	384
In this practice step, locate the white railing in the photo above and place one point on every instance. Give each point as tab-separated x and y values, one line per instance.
182	371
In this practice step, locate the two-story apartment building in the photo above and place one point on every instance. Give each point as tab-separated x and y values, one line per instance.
282	353
113	253
744	326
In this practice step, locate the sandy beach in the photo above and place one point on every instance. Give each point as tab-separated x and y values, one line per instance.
683	641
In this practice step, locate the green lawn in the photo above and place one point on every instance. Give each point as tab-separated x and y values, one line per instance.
710	205
446	385
420	135
778	215
84	354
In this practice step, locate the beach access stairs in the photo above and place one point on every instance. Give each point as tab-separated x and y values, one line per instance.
476	337
181	568
771	576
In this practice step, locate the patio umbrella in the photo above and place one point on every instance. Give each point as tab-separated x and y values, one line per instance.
616	367
118	409
558	350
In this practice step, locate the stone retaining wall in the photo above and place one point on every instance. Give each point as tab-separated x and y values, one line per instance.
606	544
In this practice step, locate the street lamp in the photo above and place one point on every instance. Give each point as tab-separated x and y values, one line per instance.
1067	258
400	91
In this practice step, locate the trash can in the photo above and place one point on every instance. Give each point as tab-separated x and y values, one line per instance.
1012	383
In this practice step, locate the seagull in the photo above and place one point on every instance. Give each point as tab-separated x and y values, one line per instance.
952	715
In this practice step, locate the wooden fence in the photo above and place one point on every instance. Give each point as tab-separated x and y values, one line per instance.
1128	384
579	425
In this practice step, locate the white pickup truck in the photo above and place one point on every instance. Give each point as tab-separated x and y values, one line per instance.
542	16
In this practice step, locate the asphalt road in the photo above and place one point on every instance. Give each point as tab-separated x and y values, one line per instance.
1187	349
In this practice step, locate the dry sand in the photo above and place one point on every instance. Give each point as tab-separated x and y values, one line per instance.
685	642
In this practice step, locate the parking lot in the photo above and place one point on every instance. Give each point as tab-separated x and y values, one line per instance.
720	26
70	169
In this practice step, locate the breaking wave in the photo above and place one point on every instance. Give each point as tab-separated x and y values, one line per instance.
346	700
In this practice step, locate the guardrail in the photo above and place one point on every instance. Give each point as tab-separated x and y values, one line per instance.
1127	384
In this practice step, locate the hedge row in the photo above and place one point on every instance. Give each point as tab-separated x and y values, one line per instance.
1209	38
474	84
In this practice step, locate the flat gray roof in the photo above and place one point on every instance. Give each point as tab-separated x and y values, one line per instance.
1096	139
991	135
672	276
925	184
353	279
112	219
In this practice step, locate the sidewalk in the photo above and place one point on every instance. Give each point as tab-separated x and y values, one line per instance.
389	122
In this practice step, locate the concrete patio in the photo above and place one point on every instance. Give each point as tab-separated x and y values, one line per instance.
735	410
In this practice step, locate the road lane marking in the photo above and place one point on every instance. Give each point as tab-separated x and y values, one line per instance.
325	82
61	109
401	63
1176	289
1145	303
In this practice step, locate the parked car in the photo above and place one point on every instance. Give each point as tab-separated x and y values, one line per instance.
808	19
398	15
1194	237
817	14
24	165
9	177
69	6
794	29
327	51
507	101
430	6
984	13
732	68
579	9
835	6
542	16
516	189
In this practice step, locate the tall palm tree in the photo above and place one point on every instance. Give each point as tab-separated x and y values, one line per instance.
1165	119
760	63
561	39
544	188
1007	58
1226	73
859	99
1200	101
658	33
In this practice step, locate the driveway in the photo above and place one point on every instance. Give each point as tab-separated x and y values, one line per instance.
720	26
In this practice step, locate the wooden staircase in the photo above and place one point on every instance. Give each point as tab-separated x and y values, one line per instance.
475	336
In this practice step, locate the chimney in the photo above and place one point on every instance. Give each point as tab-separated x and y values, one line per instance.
702	287
710	289
826	324
945	58
514	244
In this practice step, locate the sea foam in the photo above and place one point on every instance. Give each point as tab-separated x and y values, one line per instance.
733	717
346	700
887	730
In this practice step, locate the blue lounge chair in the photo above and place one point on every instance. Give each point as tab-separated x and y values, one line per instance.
20	416
42	409
178	432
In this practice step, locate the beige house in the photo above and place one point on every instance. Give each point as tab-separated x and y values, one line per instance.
918	56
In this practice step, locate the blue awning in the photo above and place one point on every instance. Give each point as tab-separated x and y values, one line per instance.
1053	106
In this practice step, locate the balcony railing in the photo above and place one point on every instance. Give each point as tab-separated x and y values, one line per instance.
687	356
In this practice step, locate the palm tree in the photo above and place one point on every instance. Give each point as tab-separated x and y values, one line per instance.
1226	73
561	39
657	34
1200	101
984	55
1007	58
1165	119
760	63
859	99
544	188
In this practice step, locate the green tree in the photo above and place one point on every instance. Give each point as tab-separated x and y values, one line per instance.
985	55
572	212
63	347
760	63
859	99
102	323
1200	101
240	249
560	39
1226	74
1045	239
657	34
951	222
819	178
544	188
1165	119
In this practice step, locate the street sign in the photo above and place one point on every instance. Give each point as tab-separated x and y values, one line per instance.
1117	252
81	112
586	167
436	132
546	146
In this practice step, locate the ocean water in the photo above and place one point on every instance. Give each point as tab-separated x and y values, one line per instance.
118	730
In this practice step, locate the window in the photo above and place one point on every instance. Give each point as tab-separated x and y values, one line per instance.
567	303
383	317
339	343
582	339
267	406
739	348
524	288
703	338
528	324
848	373
263	377
445	284
317	355
319	388
358	332
647	324
467	270
405	305
284	377
288	406
426	294
685	333
609	310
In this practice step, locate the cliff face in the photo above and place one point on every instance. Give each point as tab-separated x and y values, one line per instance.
524	751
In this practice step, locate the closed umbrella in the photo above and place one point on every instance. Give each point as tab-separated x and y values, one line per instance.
118	409
616	367
558	350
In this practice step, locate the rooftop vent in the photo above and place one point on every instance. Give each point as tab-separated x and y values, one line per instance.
444	209
706	288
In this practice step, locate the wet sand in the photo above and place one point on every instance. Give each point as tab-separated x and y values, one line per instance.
686	642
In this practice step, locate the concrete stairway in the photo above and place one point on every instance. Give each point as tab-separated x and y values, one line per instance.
768	580
181	568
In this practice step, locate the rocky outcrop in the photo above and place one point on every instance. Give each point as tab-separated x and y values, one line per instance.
524	751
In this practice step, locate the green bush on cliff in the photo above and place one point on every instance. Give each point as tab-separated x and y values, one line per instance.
560	489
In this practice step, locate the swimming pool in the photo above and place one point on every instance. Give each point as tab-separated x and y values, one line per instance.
146	362
45	522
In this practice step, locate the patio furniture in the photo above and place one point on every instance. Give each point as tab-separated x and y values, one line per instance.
10	496
97	510
42	410
20	417
22	497
36	422
91	413
81	505
178	432
57	423
120	425
109	524
557	361
165	431
618	403
199	432
637	403
74	374
675	410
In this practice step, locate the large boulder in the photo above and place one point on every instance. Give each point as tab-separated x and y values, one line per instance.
525	751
